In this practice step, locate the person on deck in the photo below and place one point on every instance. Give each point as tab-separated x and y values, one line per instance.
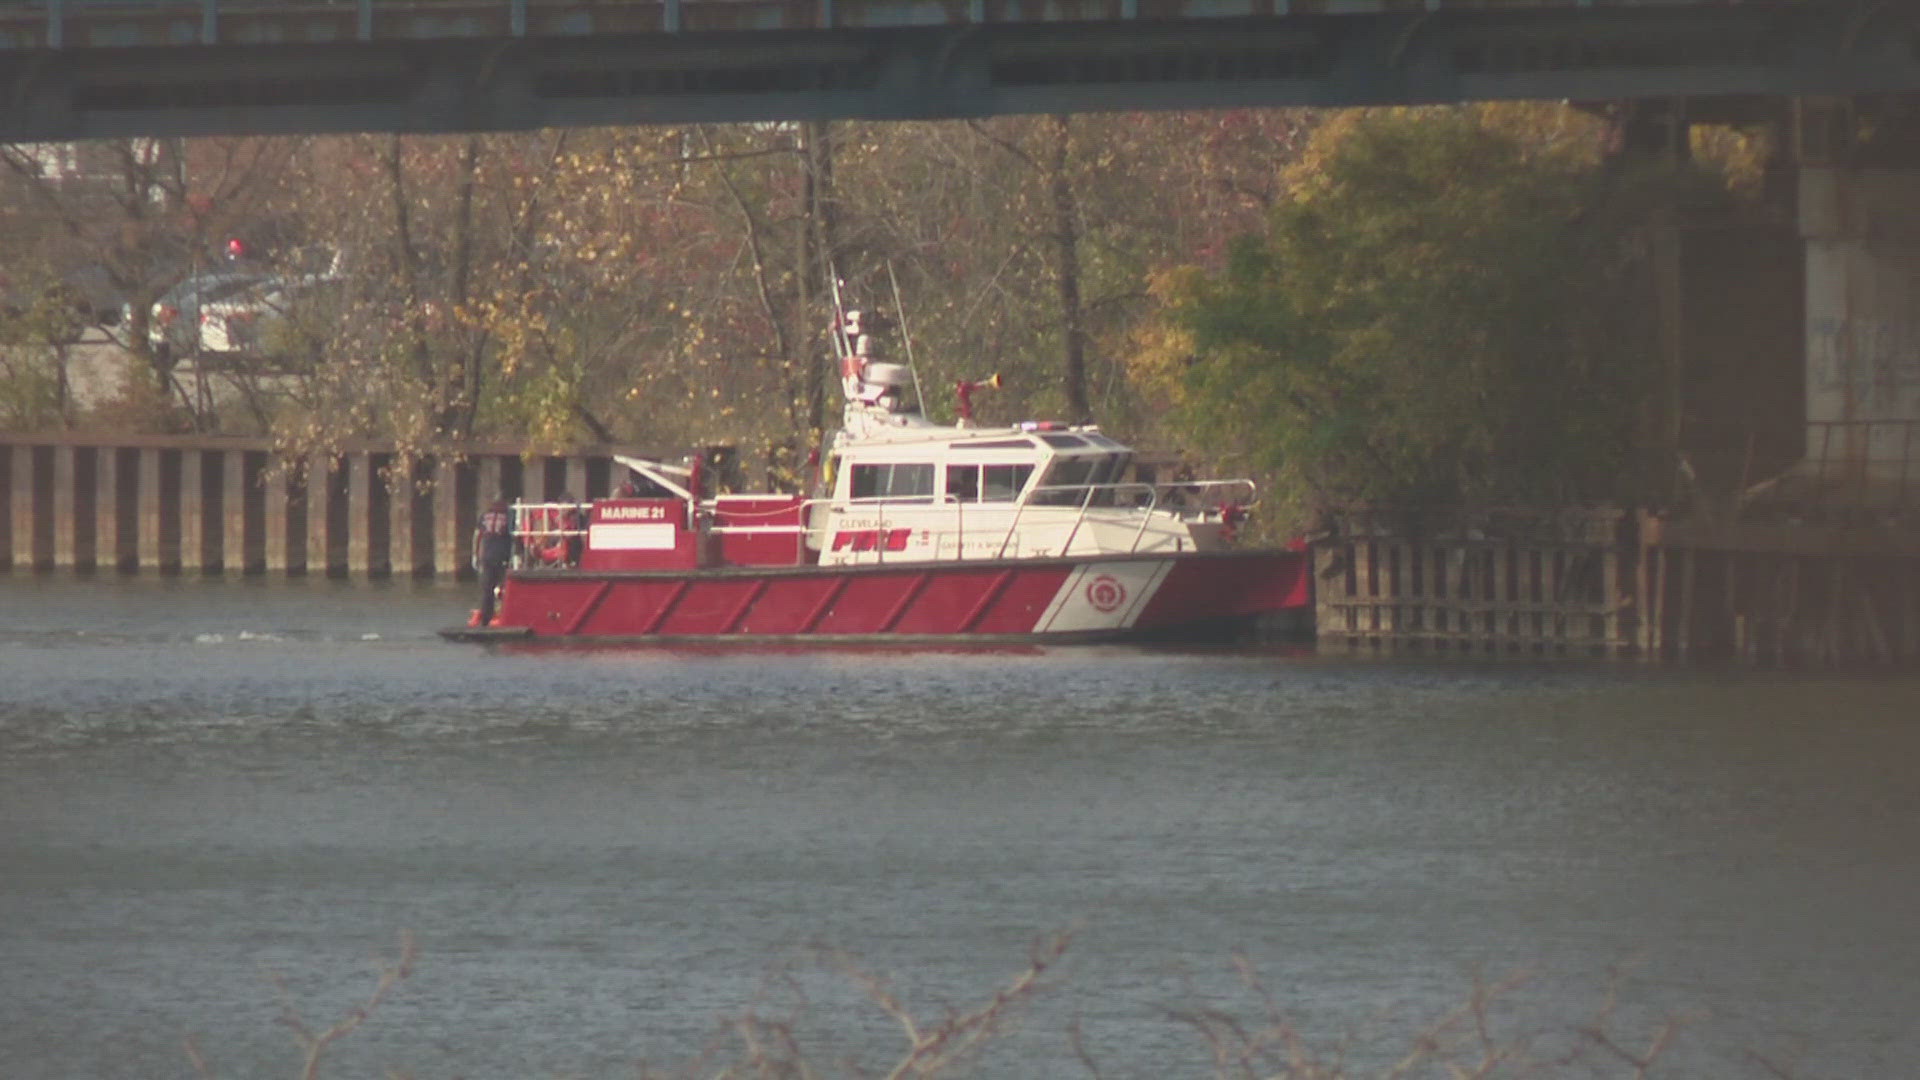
492	548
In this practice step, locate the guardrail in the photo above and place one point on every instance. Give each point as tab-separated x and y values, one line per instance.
542	531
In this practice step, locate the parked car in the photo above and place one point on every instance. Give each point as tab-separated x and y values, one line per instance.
175	320
234	323
248	321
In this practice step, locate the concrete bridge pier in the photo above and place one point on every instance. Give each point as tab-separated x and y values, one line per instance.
1862	233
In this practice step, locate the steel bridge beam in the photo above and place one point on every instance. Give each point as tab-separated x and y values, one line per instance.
453	65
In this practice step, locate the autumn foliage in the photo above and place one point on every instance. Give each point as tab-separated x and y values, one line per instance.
1391	304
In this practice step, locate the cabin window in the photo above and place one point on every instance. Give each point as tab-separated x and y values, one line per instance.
986	483
1106	471
963	483
1069	476
893	481
1065	442
1003	483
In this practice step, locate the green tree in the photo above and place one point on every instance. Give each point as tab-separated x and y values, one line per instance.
1449	305
40	320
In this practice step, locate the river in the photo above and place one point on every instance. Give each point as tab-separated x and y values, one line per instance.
220	800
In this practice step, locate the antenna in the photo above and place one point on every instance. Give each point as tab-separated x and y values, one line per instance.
840	345
906	339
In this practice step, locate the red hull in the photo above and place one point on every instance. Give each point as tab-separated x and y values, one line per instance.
1039	599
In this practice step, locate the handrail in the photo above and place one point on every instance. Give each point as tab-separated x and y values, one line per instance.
537	522
1855	467
543	524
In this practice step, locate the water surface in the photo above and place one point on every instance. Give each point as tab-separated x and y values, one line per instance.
217	793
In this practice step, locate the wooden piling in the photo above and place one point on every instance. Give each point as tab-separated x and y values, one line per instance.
1468	590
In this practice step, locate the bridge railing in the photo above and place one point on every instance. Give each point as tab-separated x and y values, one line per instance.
27	24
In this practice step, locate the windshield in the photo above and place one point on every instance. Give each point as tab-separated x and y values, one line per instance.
1064	482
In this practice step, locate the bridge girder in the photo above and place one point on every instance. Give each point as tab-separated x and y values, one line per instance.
1721	56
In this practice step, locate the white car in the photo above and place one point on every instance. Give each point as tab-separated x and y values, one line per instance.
235	322
245	321
174	322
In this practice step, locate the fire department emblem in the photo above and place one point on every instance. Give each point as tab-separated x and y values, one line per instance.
1106	593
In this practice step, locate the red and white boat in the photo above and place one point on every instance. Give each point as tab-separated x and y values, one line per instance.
917	533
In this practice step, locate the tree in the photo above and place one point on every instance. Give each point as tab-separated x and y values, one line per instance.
40	320
1440	311
441	288
141	216
1024	244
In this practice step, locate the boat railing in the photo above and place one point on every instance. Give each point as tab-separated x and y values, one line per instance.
549	533
1189	500
1205	498
1186	501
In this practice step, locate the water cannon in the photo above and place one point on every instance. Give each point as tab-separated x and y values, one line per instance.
964	391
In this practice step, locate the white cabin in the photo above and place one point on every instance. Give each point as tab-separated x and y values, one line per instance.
921	493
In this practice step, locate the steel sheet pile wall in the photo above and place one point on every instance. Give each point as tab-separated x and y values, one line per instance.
238	507
1515	583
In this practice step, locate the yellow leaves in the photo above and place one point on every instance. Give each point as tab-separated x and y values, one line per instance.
1738	156
1542	128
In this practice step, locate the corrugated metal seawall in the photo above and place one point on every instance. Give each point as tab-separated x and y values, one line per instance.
199	506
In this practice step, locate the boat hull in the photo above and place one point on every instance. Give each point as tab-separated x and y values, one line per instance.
1180	597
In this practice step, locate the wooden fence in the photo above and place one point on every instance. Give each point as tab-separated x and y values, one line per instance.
1781	595
1513	583
1611	584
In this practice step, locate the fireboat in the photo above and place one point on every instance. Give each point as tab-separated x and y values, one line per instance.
915	532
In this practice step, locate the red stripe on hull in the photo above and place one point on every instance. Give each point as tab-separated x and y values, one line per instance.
948	600
1230	585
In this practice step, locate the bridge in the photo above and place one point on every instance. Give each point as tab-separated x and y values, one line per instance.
72	69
